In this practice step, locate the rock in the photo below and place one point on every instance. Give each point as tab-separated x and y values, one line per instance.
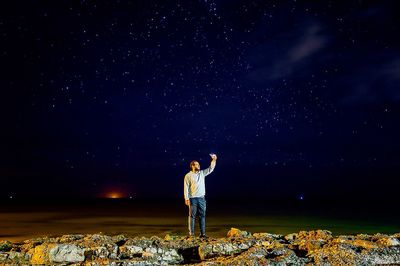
234	232
70	238
219	248
139	241
334	255
259	255
28	245
119	240
171	256
380	256
66	254
243	246
5	246
267	236
146	254
99	246
317	247
291	237
263	243
169	237
388	241
315	235
127	251
306	246
306	241
106	251
16	256
40	254
355	243
3	256
99	238
344	254
152	250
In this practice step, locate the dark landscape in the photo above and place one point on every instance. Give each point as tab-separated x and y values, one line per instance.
114	112
25	219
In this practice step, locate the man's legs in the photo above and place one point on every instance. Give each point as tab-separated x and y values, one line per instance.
202	215
192	215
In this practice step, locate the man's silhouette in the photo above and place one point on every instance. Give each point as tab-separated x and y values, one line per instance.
194	191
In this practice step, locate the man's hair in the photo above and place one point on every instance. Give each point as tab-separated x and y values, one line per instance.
192	163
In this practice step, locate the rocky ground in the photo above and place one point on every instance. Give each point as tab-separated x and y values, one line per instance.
238	248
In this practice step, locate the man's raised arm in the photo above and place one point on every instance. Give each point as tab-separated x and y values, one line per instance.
210	169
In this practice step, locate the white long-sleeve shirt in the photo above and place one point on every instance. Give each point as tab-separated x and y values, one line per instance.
194	185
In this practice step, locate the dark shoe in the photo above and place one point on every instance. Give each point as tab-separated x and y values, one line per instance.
203	237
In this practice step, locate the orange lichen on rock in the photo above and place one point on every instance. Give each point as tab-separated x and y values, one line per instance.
40	254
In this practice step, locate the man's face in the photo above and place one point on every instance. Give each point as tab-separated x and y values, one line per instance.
196	166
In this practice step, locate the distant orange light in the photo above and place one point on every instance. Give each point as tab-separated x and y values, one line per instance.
114	195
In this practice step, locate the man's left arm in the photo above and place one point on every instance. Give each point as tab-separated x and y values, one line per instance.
210	169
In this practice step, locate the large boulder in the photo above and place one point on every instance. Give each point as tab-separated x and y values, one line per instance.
66	254
40	253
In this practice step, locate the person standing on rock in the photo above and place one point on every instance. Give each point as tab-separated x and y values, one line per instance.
194	191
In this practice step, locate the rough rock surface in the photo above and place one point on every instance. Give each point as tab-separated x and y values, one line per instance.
317	247
66	253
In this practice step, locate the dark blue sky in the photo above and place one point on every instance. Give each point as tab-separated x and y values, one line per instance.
295	97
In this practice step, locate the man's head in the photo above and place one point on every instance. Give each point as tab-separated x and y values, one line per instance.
194	166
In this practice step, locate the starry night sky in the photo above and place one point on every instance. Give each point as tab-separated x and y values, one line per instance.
297	98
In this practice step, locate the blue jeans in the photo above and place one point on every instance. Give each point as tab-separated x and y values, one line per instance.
197	205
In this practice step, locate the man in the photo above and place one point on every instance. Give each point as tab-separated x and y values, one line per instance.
194	191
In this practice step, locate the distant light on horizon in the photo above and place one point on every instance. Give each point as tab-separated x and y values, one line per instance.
114	195
115	192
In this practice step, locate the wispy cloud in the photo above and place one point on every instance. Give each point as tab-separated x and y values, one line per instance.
372	83
288	53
